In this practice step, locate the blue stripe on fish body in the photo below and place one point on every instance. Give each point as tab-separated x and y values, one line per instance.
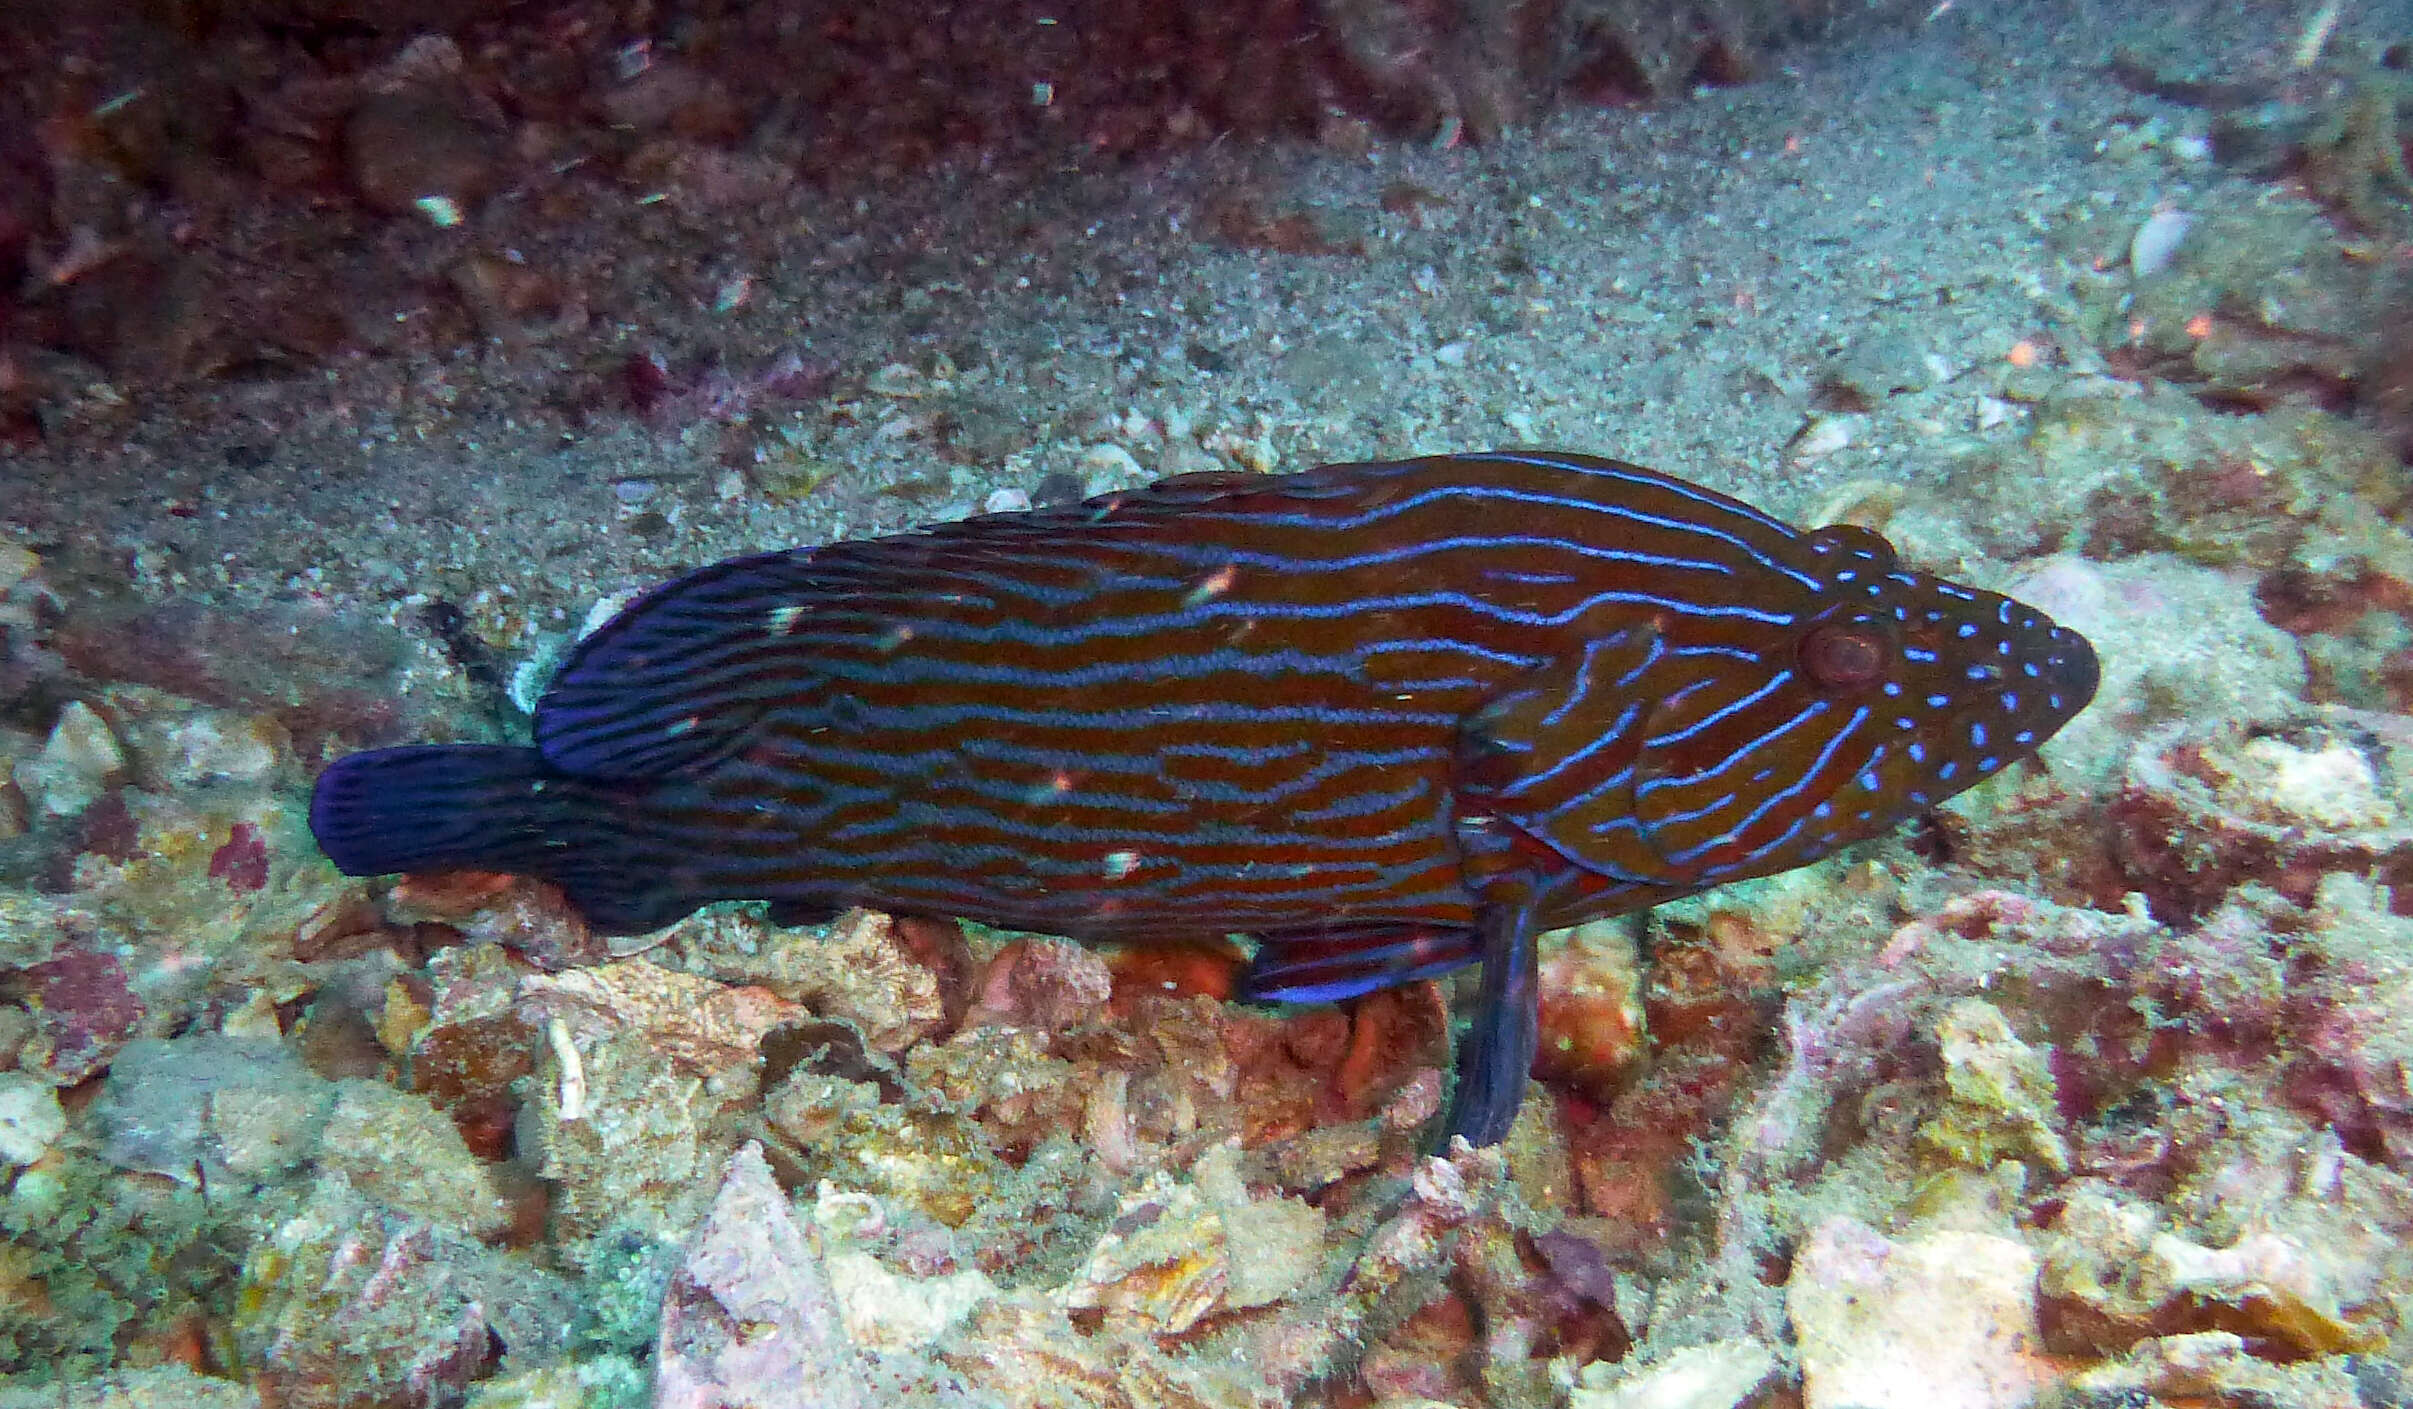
1330	709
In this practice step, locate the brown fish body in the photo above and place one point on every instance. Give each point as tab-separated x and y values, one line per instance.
1390	718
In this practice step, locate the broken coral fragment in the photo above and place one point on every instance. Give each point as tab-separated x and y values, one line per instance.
76	763
1045	983
2113	1277
623	1134
2213	1367
1999	1097
83	1009
1720	1375
398	1149
703	1026
884	1309
859	970
30	1119
210	1110
1160	1266
1180	1250
170	1384
1945	1321
750	1316
348	1303
1275	1244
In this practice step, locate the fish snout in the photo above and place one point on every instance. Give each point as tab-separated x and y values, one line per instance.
2069	662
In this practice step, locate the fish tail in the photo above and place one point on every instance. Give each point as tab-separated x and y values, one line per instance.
488	807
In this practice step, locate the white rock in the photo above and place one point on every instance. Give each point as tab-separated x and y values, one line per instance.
1717	1376
886	1311
16	564
1822	436
2154	247
1947	1321
2330	785
219	744
2227	665
1110	464
74	764
30	1119
749	1317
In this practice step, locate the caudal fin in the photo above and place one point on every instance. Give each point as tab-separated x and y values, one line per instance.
487	807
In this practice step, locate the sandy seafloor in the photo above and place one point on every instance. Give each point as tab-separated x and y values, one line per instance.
2102	1094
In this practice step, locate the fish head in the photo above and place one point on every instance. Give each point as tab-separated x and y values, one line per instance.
1886	692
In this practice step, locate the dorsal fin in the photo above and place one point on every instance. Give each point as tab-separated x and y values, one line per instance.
677	680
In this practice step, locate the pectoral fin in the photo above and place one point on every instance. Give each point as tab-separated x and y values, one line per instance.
1554	755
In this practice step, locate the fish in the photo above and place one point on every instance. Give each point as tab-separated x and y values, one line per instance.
1384	720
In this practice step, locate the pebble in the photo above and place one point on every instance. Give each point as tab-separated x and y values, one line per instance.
1110	465
211	746
30	1119
1717	1376
2154	247
1823	436
898	380
1946	1321
1008	501
786	478
16	565
75	764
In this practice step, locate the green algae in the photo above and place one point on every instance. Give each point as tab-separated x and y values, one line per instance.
96	1260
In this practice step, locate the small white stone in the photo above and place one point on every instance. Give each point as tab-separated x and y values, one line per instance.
1110	462
1822	436
2330	786
256	1018
1717	1376
218	744
16	564
1008	501
74	764
1947	1321
2154	247
890	1312
30	1119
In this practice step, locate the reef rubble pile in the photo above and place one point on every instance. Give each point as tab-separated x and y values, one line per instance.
2093	1091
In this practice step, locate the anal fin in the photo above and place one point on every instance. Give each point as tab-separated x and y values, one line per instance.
1494	1059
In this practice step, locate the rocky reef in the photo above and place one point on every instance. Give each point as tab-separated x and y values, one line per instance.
2098	1089
2093	1091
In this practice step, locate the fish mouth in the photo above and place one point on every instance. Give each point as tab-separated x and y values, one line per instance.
2069	661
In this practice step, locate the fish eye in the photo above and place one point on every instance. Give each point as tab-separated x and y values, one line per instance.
1845	656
